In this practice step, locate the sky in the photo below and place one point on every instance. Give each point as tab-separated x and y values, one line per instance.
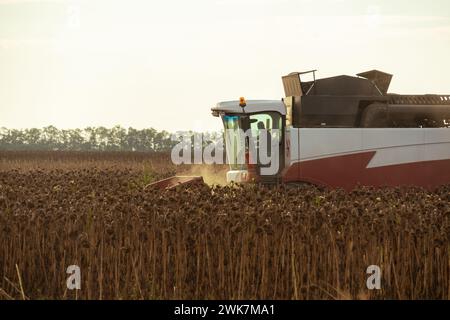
164	64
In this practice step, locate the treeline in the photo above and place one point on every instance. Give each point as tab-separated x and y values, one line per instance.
88	139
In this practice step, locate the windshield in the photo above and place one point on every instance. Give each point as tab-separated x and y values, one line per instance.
237	133
234	141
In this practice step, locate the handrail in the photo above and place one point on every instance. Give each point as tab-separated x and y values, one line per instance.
432	99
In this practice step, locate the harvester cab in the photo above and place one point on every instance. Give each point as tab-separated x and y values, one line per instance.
339	131
244	124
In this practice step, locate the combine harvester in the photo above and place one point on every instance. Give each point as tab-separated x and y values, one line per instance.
344	131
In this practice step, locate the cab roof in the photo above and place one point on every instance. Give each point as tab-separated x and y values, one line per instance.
253	106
